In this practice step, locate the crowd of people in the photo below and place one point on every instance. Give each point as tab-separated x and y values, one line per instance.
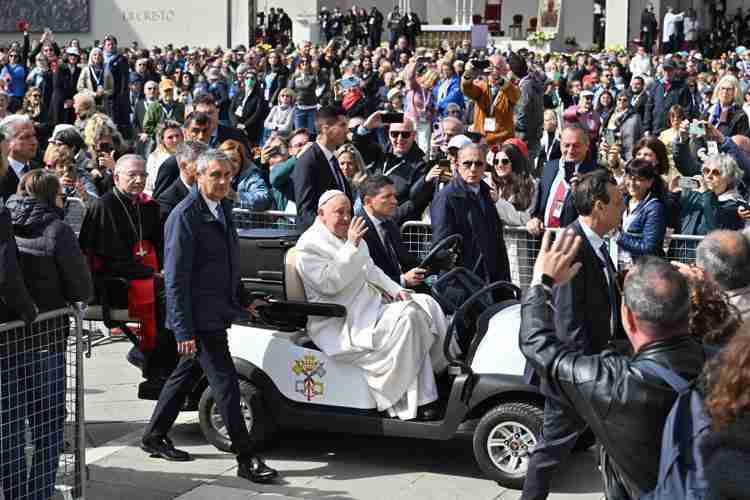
159	145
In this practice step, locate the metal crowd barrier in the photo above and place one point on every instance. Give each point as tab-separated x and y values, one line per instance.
523	248
75	210
42	422
271	219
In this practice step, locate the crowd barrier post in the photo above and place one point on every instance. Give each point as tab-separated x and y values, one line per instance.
42	421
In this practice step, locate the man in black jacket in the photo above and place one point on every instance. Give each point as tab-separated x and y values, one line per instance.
118	65
649	25
22	144
403	162
383	237
375	27
587	314
664	95
317	169
609	391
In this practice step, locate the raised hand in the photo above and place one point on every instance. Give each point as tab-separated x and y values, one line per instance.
556	259
357	229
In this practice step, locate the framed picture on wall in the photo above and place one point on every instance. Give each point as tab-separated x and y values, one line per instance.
61	16
549	15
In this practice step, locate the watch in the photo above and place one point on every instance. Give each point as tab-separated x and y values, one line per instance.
548	281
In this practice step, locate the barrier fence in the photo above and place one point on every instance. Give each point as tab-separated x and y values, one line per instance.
42	438
522	247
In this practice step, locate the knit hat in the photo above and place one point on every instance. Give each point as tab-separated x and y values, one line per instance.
518	65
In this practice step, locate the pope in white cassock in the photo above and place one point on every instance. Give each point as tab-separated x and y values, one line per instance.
396	337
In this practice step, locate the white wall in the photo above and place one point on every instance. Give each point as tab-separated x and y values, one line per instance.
152	22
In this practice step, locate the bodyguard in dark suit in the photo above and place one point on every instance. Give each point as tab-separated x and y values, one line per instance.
587	318
22	146
553	206
197	128
383	237
465	207
204	295
318	170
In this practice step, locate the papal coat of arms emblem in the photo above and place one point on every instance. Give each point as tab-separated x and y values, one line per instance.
311	372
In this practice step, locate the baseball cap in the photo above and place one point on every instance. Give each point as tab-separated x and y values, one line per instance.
72	51
587	93
459	141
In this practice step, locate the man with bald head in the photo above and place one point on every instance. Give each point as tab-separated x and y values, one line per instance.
393	335
494	99
725	256
402	161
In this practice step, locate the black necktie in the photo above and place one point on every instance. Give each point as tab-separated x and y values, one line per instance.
25	170
390	247
609	269
337	174
220	216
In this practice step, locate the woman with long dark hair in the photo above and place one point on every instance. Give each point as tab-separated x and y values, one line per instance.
511	185
644	222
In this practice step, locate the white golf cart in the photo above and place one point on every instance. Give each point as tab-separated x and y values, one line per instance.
287	382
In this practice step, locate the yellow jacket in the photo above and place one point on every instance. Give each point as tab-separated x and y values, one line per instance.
502	109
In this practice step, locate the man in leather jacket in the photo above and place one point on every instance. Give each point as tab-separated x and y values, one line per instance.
625	408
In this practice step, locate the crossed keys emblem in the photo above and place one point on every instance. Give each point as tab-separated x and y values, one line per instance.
309	368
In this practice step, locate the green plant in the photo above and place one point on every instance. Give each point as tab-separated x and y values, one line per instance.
540	37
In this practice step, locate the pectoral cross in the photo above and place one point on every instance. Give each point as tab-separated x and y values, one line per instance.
141	252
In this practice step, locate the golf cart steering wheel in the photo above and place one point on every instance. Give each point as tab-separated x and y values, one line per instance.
458	317
442	256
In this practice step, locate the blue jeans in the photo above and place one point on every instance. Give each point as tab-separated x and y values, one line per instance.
32	387
305	118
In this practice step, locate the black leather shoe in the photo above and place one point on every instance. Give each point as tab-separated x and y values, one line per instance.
162	447
256	471
428	413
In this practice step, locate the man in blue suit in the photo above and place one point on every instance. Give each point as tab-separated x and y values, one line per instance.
553	207
204	295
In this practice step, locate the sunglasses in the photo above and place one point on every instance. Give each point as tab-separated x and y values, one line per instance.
503	161
473	164
711	171
404	134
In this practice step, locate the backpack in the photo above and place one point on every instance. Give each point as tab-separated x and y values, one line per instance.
681	474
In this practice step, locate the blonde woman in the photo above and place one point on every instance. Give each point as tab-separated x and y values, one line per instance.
352	166
95	78
420	103
726	113
168	135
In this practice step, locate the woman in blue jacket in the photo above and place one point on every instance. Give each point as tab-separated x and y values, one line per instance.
644	222
448	90
249	187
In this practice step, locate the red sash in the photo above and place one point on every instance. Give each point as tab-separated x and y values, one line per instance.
558	201
142	295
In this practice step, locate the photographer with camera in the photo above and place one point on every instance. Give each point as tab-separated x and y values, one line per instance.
494	98
103	140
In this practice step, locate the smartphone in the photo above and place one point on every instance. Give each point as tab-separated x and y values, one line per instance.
687	183
424	60
712	147
610	137
105	148
481	65
698	129
570	170
475	137
392	117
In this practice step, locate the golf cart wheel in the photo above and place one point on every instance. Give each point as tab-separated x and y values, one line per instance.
504	439
257	419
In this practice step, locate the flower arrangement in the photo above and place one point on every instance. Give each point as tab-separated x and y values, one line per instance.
540	37
616	49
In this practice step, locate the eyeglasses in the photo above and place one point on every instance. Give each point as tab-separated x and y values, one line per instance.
711	171
404	134
473	164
